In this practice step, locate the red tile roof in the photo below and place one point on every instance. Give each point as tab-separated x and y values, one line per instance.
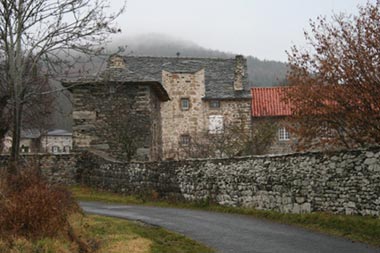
269	102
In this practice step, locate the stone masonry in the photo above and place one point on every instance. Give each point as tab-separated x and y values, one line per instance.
194	121
175	121
58	169
149	93
346	182
202	82
112	114
277	146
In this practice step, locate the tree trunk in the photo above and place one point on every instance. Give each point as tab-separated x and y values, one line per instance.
16	137
17	72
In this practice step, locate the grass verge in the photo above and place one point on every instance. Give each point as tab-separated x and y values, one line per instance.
357	228
109	235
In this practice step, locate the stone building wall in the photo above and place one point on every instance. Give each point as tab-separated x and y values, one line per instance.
196	79
235	112
175	121
277	146
346	182
102	111
155	127
194	122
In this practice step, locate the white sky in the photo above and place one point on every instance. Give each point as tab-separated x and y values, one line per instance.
262	28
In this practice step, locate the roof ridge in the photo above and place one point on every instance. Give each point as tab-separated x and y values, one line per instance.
181	58
273	87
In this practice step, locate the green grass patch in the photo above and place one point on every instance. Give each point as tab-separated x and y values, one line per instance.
117	235
108	235
364	229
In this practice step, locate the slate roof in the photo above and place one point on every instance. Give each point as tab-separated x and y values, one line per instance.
59	132
219	73
269	102
116	76
36	133
30	133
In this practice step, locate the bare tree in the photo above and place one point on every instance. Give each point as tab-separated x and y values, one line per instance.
4	118
124	132
263	136
44	34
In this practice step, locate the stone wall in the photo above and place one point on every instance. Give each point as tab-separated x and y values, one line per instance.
346	182
277	146
235	112
104	114
342	182
60	169
194	121
177	122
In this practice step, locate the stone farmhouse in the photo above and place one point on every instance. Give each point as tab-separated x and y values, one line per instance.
54	141
164	103
268	105
57	141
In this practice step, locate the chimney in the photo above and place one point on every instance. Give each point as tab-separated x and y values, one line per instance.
116	62
239	72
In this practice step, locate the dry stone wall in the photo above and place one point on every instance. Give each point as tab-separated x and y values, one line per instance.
60	169
345	182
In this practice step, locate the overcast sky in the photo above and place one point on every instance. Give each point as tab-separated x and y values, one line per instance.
262	28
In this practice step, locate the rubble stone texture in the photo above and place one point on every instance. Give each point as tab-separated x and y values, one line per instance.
125	90
346	182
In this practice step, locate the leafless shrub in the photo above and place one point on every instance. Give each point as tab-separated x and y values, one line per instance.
32	208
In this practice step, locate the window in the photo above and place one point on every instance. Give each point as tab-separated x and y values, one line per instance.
185	104
66	149
214	104
55	149
326	131
24	149
283	134
112	89
215	124
184	140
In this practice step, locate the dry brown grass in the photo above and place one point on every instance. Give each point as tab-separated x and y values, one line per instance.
139	245
32	208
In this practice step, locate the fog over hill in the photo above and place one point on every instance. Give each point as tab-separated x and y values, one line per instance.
260	72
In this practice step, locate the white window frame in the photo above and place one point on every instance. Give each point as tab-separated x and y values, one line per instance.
215	124
283	134
55	149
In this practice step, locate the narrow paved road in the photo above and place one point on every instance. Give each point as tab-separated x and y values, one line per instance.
231	233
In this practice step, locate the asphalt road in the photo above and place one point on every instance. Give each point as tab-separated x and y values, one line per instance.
231	233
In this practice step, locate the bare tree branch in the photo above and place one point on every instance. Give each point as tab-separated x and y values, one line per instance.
33	36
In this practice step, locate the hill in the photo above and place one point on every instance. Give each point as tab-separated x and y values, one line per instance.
260	72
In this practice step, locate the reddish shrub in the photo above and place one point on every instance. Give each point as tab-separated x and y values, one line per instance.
30	207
